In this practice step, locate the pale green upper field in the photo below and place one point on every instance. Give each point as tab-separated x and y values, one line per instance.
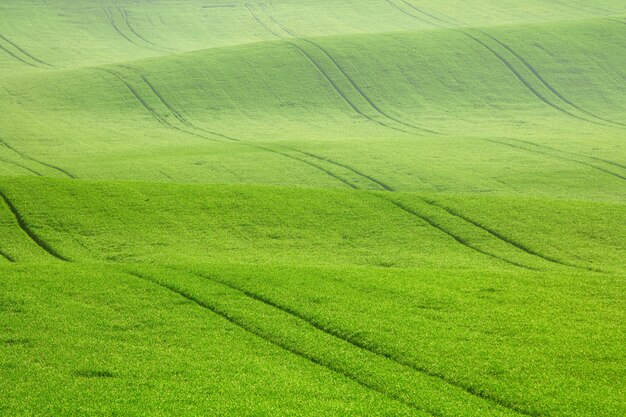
372	207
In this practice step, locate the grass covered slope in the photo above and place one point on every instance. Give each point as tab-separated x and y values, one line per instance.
379	207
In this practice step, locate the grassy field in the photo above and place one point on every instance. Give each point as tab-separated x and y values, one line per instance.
372	207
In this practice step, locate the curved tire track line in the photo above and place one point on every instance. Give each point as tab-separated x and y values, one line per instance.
190	125
341	93
506	239
427	14
606	161
256	332
175	112
525	83
124	14
149	108
401	10
24	167
17	57
493	233
606	171
327	77
135	94
381	184
362	93
157	117
111	20
345	74
16	46
545	83
6	256
28	231
512	69
345	336
524	62
109	15
452	235
30	158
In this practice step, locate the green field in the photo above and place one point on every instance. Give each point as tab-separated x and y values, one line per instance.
346	207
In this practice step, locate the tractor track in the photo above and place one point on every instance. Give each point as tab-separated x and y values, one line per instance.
30	158
545	83
17	164
606	171
16	46
451	234
526	83
506	239
318	167
6	256
443	24
248	328
17	57
359	344
29	232
111	19
338	68
123	12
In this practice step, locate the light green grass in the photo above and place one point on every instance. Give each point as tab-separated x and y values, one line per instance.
312	208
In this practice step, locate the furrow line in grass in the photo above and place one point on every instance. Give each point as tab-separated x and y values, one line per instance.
193	127
570	5
320	168
320	70
8	161
606	161
261	23
29	232
109	15
525	82
16	46
137	96
166	176
6	256
426	13
453	213
513	70
181	118
176	113
17	57
359	344
606	171
149	108
328	78
363	94
273	340
506	239
30	158
341	93
346	75
401	10
451	234
111	19
616	20
432	203
348	167
124	14
545	83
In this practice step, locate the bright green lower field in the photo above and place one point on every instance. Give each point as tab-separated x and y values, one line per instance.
338	207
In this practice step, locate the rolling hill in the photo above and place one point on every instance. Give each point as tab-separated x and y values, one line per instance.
374	207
